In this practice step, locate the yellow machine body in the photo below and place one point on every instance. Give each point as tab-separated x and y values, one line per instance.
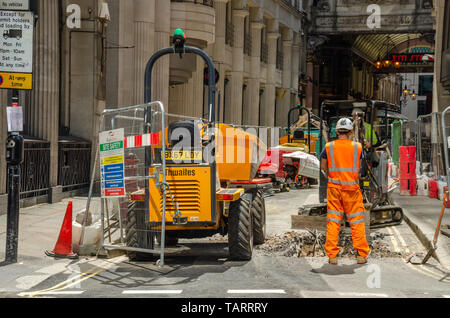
238	156
191	189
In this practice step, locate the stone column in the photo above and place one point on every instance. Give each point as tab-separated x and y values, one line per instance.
295	58
219	48
42	116
144	41
237	72
252	116
316	79
160	79
310	86
269	95
286	78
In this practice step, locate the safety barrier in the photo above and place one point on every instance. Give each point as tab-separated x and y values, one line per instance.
126	166
445	123
428	134
408	177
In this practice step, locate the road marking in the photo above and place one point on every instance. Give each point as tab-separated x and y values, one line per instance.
151	292
256	291
77	279
63	292
402	241
393	239
313	198
438	276
446	296
420	268
336	294
353	294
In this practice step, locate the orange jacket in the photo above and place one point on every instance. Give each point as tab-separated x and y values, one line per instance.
344	163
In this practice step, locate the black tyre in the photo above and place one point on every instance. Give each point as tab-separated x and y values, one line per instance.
259	218
136	234
240	230
169	240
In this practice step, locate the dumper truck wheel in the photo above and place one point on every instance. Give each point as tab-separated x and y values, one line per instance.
240	230
168	241
136	236
259	218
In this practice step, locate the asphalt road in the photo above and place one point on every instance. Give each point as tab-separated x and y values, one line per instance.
203	271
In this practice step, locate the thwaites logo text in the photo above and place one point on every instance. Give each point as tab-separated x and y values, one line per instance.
185	172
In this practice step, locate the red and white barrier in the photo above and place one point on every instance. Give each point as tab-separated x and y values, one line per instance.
141	140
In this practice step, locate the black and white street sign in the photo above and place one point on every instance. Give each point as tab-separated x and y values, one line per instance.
16	49
23	5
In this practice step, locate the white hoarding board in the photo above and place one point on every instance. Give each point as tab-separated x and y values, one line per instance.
15	5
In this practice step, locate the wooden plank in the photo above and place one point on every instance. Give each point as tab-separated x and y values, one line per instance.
302	222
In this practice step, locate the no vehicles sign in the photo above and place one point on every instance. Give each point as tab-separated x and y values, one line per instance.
15	5
112	163
16	49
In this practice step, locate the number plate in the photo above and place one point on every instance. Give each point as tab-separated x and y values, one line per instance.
172	155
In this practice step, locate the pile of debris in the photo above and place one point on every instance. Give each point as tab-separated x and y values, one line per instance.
311	244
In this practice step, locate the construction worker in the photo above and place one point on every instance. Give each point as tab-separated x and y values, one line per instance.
341	159
370	138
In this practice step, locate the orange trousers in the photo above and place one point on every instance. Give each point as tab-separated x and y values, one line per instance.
349	203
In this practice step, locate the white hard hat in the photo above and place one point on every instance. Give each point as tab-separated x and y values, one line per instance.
344	124
357	111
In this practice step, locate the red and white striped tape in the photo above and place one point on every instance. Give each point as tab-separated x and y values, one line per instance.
141	141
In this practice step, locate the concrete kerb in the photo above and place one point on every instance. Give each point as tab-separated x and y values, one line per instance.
441	254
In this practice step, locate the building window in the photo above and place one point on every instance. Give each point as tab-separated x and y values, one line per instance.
244	105
422	108
279	61
264	48
229	28
247	37
445	67
425	85
261	96
225	99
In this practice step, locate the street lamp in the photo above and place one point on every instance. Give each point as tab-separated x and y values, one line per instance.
406	91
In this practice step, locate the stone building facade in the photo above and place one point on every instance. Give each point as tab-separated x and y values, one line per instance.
80	70
442	62
255	45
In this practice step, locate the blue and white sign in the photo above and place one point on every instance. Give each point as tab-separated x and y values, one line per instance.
112	163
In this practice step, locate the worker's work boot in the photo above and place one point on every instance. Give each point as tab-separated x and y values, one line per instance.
333	261
361	260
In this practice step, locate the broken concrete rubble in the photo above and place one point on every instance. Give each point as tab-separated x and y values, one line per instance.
311	244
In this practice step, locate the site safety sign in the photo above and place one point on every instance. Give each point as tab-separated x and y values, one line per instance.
112	163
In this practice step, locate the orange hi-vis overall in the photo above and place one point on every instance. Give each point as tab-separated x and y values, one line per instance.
344	196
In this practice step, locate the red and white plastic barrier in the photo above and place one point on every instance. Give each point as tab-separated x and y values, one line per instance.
141	140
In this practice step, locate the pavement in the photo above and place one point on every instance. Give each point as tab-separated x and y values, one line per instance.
39	228
196	273
422	215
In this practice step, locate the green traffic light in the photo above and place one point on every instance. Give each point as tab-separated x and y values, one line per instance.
179	32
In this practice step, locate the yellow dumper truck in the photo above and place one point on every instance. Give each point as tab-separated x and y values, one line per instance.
210	186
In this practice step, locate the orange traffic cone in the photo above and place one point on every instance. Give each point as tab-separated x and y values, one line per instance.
63	248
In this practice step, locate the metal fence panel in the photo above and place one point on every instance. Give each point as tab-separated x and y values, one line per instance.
430	145
125	221
35	177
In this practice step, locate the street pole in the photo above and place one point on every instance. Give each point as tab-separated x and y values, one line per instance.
14	157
